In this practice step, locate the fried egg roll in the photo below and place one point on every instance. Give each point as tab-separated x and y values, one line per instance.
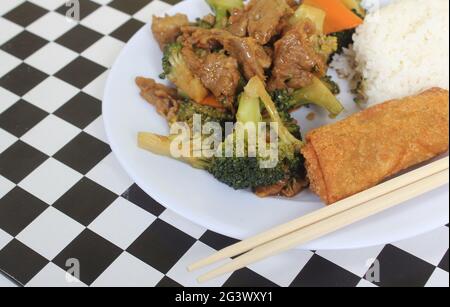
355	154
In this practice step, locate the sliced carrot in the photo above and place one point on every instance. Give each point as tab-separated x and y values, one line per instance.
211	101
338	18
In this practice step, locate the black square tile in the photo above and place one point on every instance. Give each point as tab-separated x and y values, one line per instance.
25	14
79	38
246	278
161	246
85	201
135	195
21	262
18	209
129	7
83	152
94	254
86	8
217	241
21	117
24	44
126	31
444	263
81	110
167	282
320	272
80	72
401	269
22	79
19	160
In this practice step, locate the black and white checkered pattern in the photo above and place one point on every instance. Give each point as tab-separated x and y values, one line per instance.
63	194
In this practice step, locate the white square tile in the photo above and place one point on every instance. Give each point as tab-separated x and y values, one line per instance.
8	62
439	279
97	129
51	94
55	277
7	99
180	274
183	224
6	282
430	247
110	174
8	5
49	4
128	271
50	180
282	269
51	58
97	87
51	134
9	30
4	239
6	140
50	233
365	284
104	51
51	26
5	186
356	261
105	20
122	223
156	7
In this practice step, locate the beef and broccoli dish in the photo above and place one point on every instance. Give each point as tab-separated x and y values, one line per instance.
250	62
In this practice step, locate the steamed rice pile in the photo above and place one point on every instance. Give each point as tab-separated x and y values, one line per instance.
402	49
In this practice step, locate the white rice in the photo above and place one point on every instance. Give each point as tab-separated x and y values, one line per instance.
401	49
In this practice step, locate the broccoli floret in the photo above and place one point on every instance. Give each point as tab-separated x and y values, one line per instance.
325	45
285	105
189	108
331	84
244	172
291	124
222	8
177	71
317	93
161	145
256	89
171	52
344	39
283	100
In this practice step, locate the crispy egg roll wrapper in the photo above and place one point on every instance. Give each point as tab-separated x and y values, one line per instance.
355	154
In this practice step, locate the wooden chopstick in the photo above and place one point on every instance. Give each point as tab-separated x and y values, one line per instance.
333	223
324	213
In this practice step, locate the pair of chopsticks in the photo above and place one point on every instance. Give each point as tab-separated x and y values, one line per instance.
330	219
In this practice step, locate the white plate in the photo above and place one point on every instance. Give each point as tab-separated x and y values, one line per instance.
200	198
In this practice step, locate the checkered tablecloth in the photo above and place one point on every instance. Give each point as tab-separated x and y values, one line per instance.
64	196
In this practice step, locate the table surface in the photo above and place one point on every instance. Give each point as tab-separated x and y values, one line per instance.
64	197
